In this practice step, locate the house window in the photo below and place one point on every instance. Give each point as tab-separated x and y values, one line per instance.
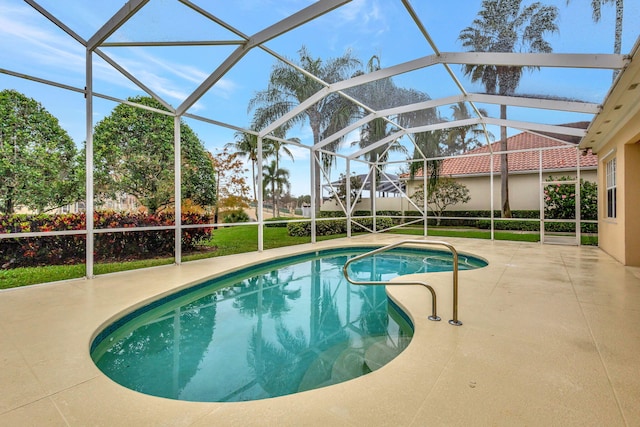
611	188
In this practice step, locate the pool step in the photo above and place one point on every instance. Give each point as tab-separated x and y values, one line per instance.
319	372
349	365
341	363
379	354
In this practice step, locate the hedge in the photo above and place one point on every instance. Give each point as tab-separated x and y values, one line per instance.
112	246
565	227
334	226
482	224
270	222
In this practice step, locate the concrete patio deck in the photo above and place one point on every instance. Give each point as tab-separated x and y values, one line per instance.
551	336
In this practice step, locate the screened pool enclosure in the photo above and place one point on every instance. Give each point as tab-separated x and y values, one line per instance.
385	91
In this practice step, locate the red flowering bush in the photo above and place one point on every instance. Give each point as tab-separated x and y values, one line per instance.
109	246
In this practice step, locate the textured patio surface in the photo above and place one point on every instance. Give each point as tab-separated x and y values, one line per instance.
551	336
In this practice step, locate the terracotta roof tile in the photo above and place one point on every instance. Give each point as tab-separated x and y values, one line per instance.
562	157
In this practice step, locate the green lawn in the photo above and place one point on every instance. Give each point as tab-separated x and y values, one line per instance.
240	239
471	233
234	240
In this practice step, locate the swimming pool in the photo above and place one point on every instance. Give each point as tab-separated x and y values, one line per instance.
272	329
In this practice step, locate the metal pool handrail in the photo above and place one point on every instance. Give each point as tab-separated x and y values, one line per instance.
434	315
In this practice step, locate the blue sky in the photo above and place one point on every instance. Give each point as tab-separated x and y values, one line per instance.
32	45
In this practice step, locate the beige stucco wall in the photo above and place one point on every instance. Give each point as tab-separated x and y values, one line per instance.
620	237
632	204
524	193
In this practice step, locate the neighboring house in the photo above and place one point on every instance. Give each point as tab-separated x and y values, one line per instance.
473	169
560	157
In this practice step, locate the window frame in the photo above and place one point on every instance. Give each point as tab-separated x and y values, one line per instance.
611	188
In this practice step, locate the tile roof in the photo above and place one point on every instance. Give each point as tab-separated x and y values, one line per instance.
563	157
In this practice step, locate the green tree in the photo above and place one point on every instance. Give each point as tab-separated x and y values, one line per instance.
231	186
596	8
246	145
464	138
432	144
276	180
382	94
507	26
340	193
133	154
275	147
444	193
288	88
377	95
39	164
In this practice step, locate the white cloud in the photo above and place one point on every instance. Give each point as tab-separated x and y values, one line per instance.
299	153
40	46
365	15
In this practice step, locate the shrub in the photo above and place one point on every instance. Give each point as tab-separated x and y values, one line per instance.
236	215
509	225
335	226
270	222
110	246
560	203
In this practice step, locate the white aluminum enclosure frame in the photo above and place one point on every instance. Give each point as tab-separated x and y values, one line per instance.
246	43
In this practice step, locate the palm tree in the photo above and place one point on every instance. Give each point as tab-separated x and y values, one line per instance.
431	144
274	147
465	138
288	88
246	145
381	94
506	26
596	7
376	95
277	179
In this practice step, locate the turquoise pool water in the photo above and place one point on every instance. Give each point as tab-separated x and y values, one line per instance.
268	330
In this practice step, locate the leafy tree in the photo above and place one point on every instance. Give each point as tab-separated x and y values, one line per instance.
305	199
341	192
507	26
444	193
288	88
133	154
39	165
276	180
231	186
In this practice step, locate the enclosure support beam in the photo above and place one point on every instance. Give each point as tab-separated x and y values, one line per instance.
260	201
129	9
373	193
578	195
312	181
424	197
89	165
348	195
491	190
541	196
177	182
